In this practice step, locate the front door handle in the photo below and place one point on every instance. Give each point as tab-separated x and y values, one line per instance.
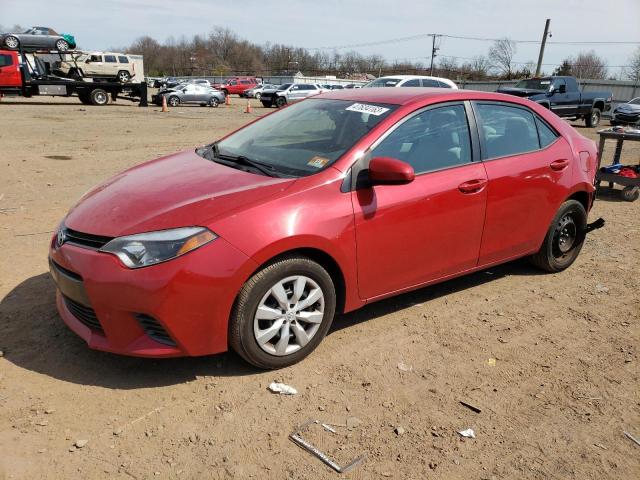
473	186
559	164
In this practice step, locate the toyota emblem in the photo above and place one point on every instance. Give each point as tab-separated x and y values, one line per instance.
61	237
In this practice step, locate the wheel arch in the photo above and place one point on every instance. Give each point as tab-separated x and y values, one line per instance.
321	257
599	104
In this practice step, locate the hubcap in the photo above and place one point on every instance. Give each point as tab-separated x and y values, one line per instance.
289	315
11	42
62	46
100	97
565	236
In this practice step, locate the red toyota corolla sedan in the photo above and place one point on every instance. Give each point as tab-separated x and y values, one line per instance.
257	240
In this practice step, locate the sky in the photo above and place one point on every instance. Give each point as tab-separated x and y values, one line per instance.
100	25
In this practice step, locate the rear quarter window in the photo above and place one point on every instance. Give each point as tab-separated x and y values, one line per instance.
545	133
123	59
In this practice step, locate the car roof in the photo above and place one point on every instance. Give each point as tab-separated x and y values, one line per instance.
407	95
406	77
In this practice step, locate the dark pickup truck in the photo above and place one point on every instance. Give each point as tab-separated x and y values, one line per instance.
562	96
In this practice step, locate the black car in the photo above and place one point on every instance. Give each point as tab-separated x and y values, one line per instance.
627	113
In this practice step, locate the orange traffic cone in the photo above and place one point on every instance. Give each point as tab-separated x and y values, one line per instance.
248	110
227	100
164	104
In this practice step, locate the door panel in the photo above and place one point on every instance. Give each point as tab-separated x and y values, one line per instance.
9	71
411	234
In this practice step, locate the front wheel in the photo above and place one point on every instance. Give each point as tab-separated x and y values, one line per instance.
282	313
173	101
214	102
593	119
62	45
564	239
281	102
257	95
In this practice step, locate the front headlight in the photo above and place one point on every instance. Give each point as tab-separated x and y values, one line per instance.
144	249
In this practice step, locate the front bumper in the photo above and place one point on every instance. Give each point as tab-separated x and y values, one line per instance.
176	308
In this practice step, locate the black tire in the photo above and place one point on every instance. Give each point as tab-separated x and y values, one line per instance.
630	193
98	97
12	42
281	102
564	239
241	323
214	102
173	101
267	104
123	76
62	45
593	119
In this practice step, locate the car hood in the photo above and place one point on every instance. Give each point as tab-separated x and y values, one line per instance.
628	108
183	189
520	92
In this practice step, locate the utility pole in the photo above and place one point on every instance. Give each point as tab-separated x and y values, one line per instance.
434	49
544	42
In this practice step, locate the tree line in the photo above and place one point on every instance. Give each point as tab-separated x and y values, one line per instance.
223	52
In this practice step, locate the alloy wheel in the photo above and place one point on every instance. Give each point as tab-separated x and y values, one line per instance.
289	315
11	42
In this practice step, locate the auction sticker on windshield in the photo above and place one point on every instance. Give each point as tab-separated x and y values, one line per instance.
364	108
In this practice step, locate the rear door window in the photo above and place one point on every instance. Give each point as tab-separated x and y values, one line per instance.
411	83
110	58
427	82
506	130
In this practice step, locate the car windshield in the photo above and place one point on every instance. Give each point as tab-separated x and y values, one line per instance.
305	137
635	101
384	82
534	83
284	87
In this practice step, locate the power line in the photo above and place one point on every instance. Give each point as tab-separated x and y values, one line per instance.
478	39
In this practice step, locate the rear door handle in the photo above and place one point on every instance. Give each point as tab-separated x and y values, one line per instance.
559	164
473	186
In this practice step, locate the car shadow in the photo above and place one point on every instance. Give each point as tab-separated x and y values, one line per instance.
33	337
121	103
604	193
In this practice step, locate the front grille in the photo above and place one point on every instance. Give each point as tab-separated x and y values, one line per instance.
85	314
86	240
153	328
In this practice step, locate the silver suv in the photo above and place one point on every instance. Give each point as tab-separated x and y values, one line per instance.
289	93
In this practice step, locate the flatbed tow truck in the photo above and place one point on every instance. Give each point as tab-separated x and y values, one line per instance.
24	73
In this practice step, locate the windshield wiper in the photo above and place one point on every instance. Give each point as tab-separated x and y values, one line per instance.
210	152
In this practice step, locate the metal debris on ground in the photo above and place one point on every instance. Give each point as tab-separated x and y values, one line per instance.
632	438
328	428
468	433
282	389
470	407
296	437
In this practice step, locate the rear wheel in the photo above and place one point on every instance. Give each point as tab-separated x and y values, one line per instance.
281	102
12	42
564	238
173	101
282	313
214	102
630	193
593	119
257	95
99	97
62	45
123	76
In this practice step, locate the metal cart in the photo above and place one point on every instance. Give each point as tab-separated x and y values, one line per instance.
631	190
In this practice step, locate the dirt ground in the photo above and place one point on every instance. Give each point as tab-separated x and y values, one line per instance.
551	360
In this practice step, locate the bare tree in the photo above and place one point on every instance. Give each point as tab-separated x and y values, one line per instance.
501	55
588	65
632	72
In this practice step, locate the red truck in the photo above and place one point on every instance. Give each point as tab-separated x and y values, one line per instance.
237	85
27	75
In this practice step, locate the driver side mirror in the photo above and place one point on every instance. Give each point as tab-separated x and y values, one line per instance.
390	171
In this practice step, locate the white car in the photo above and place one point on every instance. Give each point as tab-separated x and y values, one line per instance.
411	81
111	65
289	93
